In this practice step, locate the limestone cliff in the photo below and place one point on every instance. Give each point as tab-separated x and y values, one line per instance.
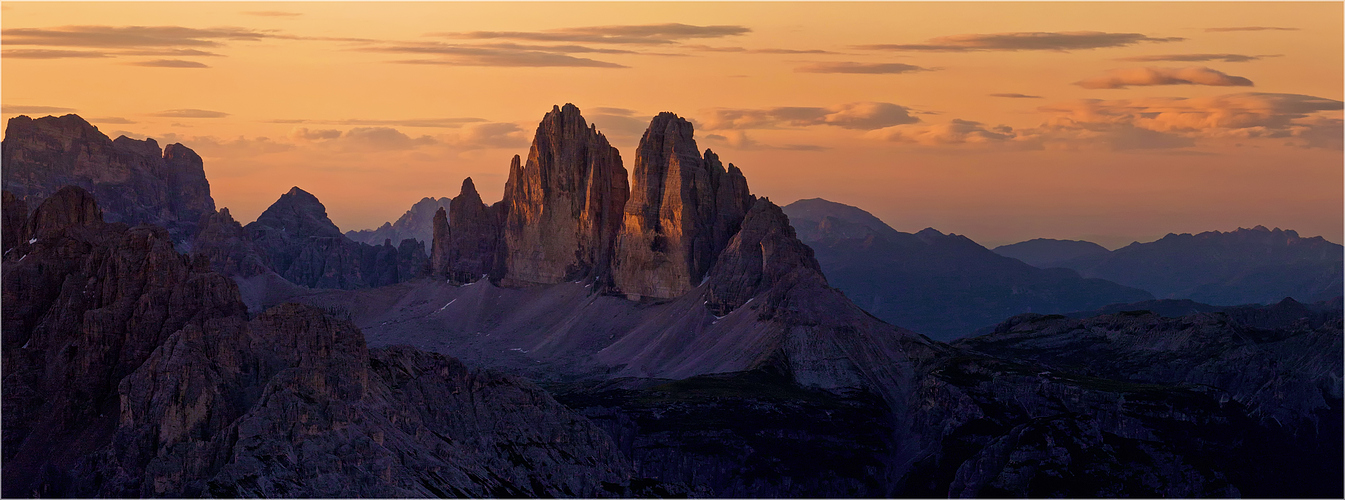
563	207
682	211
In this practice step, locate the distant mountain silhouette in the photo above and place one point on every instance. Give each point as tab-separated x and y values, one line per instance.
1046	253
942	285
1245	266
302	245
417	223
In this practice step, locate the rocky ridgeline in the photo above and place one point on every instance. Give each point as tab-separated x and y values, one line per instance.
133	370
136	182
296	240
417	224
568	214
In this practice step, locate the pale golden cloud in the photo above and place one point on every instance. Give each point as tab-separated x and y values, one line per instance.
1191	75
168	63
855	115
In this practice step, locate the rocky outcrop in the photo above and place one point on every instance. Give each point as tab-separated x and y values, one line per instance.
417	223
135	181
682	211
563	207
85	304
228	246
15	215
303	246
132	370
471	247
763	254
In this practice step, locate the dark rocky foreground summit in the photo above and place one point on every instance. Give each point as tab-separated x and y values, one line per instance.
132	370
140	372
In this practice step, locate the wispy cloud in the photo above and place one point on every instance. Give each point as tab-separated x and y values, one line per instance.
50	54
500	55
1016	96
455	122
708	48
647	34
271	13
1250	28
168	63
126	36
189	113
860	68
856	115
955	131
1193	75
738	139
1146	123
23	109
111	120
1057	41
1195	58
618	122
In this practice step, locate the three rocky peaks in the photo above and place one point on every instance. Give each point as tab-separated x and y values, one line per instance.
569	213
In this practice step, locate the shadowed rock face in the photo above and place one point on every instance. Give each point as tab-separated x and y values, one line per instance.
132	370
15	214
228	246
682	211
303	246
135	182
473	237
563	206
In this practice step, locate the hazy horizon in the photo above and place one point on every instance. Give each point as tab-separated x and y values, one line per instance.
1109	123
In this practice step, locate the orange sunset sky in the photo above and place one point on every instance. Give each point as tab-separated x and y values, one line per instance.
1001	121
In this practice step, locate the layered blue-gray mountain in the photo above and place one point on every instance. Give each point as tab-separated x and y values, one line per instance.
1246	266
942	285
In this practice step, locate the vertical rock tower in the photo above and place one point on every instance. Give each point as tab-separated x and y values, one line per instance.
562	209
683	209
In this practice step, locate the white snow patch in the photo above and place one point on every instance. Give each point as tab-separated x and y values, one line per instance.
25	344
21	258
448	304
34	240
519	350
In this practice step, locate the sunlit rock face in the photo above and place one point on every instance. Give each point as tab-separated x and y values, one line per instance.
563	206
683	209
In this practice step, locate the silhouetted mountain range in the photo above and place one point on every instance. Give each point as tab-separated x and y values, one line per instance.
1047	253
1246	266
944	286
689	336
417	224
